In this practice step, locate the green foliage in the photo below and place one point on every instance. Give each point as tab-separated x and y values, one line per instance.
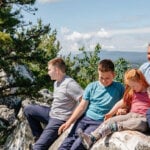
121	65
5	40
32	46
83	67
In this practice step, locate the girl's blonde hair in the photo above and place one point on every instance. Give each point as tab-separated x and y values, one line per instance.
136	76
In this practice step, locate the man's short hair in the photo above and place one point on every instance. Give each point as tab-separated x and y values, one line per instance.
59	63
106	65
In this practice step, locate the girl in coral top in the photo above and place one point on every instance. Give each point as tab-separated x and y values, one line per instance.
136	100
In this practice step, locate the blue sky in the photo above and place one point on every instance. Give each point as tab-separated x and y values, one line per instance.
122	25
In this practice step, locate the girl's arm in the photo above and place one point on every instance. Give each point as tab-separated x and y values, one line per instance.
119	104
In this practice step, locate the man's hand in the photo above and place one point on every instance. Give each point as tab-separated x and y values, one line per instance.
63	127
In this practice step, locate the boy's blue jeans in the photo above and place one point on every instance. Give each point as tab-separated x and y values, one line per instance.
36	115
73	142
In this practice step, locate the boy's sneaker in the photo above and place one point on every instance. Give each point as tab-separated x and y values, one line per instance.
32	144
87	140
35	138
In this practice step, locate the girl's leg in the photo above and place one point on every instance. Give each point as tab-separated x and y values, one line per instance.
116	119
112	120
138	124
130	121
89	139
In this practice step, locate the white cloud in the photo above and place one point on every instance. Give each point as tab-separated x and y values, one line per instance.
74	36
48	1
102	33
131	31
135	39
64	30
74	46
78	36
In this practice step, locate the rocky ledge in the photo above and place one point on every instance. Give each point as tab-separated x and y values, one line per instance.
19	133
124	140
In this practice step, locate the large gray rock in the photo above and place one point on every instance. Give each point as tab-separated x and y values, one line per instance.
21	137
124	140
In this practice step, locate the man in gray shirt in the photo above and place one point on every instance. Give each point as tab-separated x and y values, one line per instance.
66	95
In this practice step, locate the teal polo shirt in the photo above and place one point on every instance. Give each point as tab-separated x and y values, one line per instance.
101	99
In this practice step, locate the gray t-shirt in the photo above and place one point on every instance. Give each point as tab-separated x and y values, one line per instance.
145	68
65	98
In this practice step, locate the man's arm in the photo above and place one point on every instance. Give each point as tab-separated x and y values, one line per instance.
76	115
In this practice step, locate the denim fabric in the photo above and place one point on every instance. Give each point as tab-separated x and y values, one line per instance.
36	115
73	142
148	117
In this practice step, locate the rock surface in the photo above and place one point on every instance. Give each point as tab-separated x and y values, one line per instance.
124	140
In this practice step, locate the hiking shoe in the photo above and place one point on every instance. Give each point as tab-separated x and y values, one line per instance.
86	139
32	144
35	138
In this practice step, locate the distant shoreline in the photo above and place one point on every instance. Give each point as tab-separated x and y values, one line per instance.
131	57
134	58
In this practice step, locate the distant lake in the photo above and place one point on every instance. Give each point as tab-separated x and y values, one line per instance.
131	57
134	58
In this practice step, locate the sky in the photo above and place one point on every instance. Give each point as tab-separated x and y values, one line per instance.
117	25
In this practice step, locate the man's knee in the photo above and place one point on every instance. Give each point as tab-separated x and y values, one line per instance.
143	126
148	117
27	110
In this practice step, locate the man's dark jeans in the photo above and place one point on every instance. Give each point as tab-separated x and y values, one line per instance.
36	115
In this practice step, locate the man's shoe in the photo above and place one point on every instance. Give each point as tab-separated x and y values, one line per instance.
31	146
